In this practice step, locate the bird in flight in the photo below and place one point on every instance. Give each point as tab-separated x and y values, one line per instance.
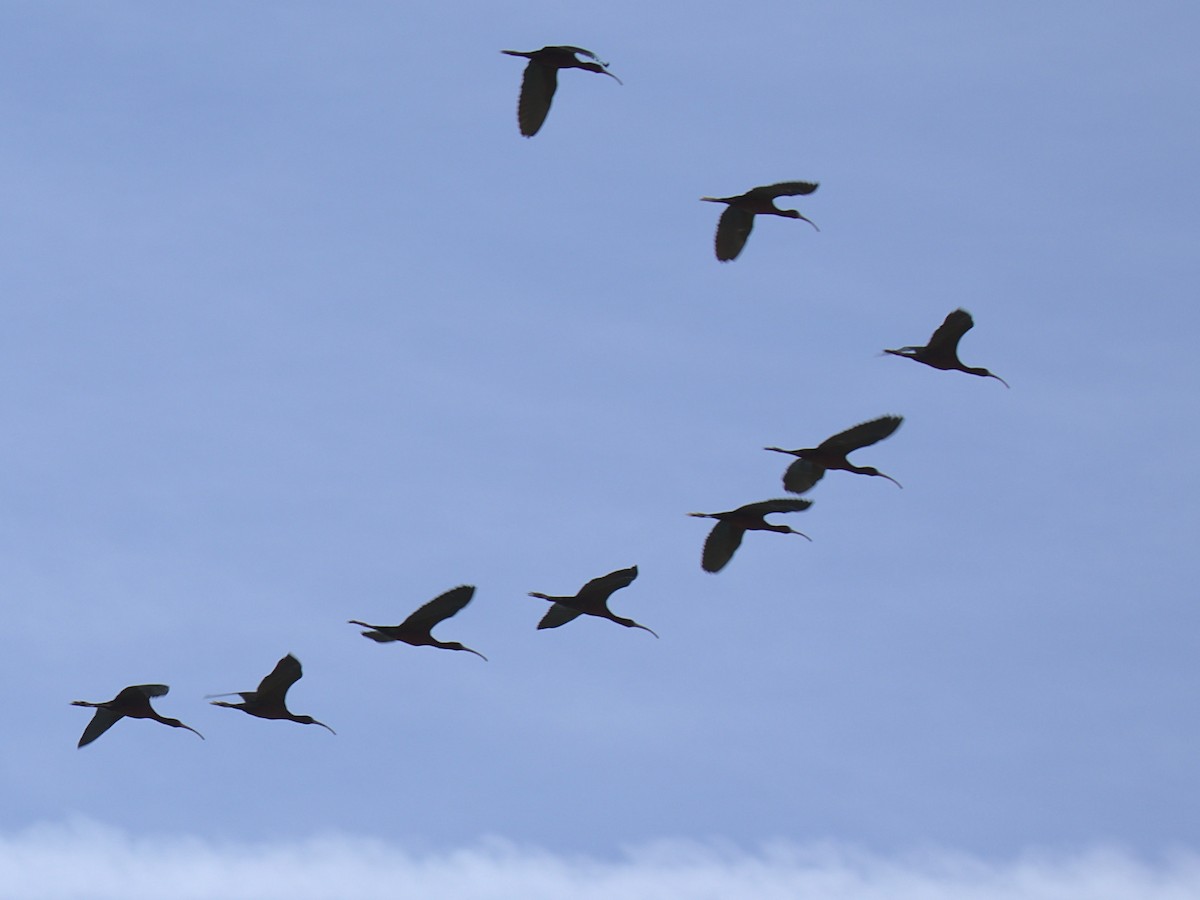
541	80
732	525
831	453
270	700
134	703
738	219
942	350
417	628
591	600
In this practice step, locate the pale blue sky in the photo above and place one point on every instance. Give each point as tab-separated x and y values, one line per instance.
297	328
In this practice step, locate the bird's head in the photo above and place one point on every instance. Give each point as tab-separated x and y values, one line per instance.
988	374
794	214
871	470
309	720
175	723
455	645
629	623
603	70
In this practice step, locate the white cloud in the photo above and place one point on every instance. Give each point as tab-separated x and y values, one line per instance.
85	860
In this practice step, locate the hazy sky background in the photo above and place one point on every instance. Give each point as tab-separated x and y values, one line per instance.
297	328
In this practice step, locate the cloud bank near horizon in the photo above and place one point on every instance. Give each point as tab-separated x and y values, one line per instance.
86	860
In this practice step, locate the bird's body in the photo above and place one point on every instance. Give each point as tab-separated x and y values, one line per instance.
592	600
942	350
812	462
134	703
417	628
738	219
732	525
270	700
541	80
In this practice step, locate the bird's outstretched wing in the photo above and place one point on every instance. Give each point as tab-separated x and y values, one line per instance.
733	229
578	51
720	545
601	588
286	673
440	608
103	720
379	637
147	690
783	189
557	615
862	435
537	90
950	332
801	475
780	505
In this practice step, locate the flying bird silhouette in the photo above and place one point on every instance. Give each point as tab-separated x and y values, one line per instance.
541	80
270	700
942	350
832	452
738	219
417	628
727	534
134	703
591	600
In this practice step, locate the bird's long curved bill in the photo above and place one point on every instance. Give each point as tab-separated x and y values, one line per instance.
323	725
644	628
192	730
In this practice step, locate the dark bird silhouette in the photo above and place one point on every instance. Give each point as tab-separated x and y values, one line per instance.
591	600
942	350
541	80
738	220
727	534
133	702
270	700
417	628
831	454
